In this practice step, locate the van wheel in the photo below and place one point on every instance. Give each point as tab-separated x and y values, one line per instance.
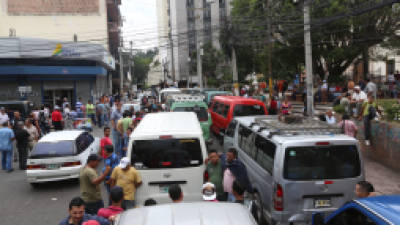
257	209
34	185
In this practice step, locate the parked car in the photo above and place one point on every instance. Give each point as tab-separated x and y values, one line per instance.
24	107
204	213
379	210
201	110
224	108
60	155
168	148
296	169
209	95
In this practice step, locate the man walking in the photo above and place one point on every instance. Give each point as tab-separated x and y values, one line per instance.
112	161
129	179
6	147
215	174
57	118
370	88
115	116
22	137
368	113
90	112
90	184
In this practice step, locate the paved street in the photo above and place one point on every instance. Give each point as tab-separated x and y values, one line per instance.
48	203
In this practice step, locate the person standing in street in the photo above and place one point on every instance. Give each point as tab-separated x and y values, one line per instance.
129	179
357	100
57	119
79	108
104	142
112	161
77	215
215	174
368	113
3	116
22	137
329	118
91	112
348	126
90	184
115	116
125	142
33	134
116	196
370	88
6	147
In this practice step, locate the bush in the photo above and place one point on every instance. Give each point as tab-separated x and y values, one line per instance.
393	112
339	109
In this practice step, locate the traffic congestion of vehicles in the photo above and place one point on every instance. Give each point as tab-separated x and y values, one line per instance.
270	169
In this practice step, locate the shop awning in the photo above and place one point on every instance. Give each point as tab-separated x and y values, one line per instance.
52	70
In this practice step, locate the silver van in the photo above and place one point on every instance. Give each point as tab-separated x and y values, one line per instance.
295	169
205	213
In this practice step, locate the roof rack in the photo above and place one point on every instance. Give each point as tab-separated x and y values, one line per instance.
187	98
305	126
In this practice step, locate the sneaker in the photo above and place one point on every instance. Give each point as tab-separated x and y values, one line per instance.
367	143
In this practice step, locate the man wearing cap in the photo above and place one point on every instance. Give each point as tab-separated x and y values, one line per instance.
357	100
129	179
90	184
3	115
209	193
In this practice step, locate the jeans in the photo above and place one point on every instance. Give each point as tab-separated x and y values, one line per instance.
22	155
367	128
117	141
93	207
6	160
128	204
92	117
231	198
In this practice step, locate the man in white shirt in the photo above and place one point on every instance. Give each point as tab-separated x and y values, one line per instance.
357	100
3	116
371	88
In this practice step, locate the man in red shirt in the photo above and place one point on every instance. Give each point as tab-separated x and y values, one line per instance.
57	119
105	141
116	195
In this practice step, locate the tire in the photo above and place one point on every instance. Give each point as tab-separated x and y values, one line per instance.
257	210
34	185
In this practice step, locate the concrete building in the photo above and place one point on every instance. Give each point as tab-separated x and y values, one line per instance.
77	29
156	73
182	24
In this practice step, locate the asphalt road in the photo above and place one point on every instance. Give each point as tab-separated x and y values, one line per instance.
21	204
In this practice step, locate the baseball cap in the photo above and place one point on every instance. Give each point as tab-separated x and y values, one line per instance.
357	87
209	192
93	157
124	162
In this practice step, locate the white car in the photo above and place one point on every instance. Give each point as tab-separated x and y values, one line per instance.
205	213
60	155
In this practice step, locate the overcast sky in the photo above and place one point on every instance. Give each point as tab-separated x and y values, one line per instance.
140	25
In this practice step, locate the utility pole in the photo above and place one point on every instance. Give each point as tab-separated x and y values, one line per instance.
269	39
308	56
121	71
199	65
130	61
235	72
172	56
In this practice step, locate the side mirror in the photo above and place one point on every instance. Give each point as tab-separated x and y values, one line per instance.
317	219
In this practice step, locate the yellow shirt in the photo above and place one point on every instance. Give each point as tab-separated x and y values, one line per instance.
127	179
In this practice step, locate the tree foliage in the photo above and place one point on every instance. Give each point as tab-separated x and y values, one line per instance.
341	35
142	61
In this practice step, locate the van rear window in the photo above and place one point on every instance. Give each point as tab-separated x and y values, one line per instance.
321	162
248	110
166	153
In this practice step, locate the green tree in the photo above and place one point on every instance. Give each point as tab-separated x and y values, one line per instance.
142	61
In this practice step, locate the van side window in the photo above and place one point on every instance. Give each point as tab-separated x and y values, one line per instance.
82	142
225	110
230	132
246	141
351	217
266	153
215	107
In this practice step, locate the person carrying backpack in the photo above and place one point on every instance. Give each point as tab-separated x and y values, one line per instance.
368	112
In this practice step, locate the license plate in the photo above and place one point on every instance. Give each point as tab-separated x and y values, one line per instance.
320	203
52	166
164	189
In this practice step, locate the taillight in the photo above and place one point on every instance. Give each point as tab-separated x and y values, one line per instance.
165	137
77	163
205	176
322	143
278	198
34	167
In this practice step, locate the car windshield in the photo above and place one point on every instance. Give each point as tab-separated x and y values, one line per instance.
248	110
201	112
53	149
166	153
321	162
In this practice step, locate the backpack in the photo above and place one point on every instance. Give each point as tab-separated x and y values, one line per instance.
371	112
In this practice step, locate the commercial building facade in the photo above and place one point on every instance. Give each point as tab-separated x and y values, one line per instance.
185	24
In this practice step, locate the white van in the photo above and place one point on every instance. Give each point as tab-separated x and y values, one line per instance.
168	91
168	148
